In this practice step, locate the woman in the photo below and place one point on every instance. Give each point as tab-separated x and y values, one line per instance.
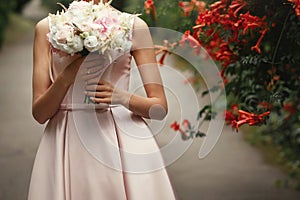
95	151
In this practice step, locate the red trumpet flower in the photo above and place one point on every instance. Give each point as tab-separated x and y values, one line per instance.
150	8
187	37
175	126
249	118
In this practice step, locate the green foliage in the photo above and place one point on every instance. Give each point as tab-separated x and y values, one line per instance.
273	75
52	5
5	10
255	81
271	80
169	14
118	4
20	5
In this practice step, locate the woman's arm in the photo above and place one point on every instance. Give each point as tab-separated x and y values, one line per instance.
153	106
47	96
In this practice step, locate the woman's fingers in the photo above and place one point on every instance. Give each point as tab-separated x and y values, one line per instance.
101	100
99	94
101	87
99	91
100	97
103	92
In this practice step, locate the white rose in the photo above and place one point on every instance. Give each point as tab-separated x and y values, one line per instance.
66	48
91	43
117	39
127	46
77	43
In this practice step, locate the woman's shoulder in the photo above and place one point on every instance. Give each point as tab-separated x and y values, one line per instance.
139	23
42	26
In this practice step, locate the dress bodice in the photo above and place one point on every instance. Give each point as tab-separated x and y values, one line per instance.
114	69
116	73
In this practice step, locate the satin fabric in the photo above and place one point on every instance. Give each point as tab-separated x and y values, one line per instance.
78	159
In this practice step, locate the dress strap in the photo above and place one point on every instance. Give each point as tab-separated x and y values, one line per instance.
50	65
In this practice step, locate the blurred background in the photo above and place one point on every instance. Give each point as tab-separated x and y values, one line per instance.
244	165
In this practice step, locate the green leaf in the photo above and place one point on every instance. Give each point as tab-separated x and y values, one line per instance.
200	134
205	109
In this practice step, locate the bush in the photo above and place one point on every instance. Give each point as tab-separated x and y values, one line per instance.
257	47
20	5
119	4
52	5
5	10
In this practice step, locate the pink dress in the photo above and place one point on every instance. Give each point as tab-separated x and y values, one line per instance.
98	152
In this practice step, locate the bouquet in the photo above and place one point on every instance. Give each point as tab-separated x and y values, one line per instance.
87	27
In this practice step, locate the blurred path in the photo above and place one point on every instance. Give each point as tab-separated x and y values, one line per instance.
19	133
234	170
34	10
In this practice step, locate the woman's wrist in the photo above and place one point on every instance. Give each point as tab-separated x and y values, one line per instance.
125	98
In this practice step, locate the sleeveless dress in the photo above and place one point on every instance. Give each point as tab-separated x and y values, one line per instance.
96	151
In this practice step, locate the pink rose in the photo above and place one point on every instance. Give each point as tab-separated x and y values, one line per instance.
61	36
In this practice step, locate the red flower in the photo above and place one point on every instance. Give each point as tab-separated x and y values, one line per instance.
229	116
226	16
186	124
150	8
249	118
189	6
290	107
266	105
164	50
234	107
296	7
175	126
257	46
187	37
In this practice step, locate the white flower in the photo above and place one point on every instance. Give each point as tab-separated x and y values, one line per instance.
127	46
117	38
96	27
77	6
77	43
91	43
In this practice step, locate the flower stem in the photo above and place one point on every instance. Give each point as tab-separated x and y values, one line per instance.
277	47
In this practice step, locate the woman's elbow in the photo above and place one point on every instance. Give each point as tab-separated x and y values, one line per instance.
158	112
38	117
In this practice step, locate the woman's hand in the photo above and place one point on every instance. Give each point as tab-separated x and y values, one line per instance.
100	91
